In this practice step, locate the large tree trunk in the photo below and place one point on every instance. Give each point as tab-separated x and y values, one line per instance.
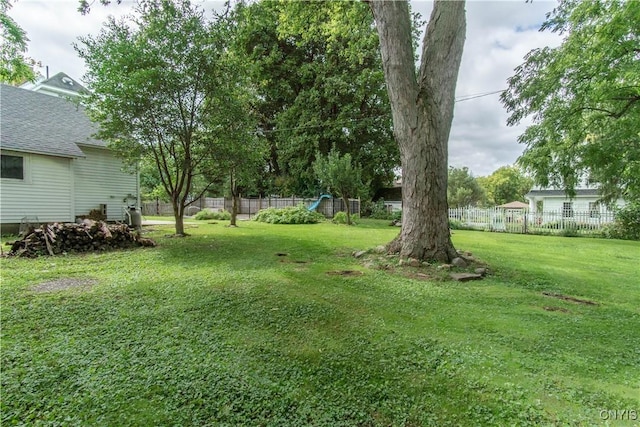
422	109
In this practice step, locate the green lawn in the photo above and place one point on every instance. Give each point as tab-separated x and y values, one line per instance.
222	328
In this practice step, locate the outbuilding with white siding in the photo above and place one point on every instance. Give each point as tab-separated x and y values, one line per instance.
52	169
585	200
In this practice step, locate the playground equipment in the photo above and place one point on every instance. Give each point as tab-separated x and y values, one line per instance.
315	204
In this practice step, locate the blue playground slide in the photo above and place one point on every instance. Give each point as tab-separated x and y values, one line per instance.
315	204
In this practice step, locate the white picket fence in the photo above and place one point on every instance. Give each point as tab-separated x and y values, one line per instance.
523	221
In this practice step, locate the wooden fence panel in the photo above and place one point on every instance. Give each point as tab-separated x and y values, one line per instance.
251	206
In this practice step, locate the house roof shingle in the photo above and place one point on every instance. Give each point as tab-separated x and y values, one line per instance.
37	123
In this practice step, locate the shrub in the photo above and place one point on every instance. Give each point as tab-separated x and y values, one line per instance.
454	224
627	223
341	218
209	214
289	215
379	210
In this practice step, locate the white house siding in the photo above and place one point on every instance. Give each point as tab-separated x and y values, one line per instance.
579	204
99	179
46	191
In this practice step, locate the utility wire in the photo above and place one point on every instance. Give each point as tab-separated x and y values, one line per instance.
478	95
461	98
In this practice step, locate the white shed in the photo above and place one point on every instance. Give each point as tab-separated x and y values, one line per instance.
586	200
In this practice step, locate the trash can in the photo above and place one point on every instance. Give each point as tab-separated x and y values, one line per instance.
135	218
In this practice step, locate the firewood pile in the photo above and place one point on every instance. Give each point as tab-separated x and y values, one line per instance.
87	236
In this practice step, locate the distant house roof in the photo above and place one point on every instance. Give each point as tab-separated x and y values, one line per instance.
58	85
562	193
36	123
515	205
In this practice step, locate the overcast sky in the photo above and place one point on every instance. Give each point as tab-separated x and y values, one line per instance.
499	34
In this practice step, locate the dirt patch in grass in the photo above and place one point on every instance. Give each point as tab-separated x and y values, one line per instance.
283	258
560	309
344	273
423	276
63	284
568	298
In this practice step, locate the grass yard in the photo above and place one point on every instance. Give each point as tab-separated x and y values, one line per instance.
260	325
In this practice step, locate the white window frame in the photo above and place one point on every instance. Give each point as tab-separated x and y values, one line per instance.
567	210
26	167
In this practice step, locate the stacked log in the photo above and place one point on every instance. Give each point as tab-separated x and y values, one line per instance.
87	236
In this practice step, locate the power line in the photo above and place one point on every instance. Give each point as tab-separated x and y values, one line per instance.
461	98
477	95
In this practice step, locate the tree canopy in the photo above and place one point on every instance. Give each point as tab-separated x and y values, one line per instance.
316	71
163	89
506	184
15	67
583	98
463	188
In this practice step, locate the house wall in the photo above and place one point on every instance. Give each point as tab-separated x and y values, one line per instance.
554	204
580	204
100	180
45	192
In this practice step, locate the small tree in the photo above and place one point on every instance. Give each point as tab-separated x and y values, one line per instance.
340	176
161	84
506	184
463	189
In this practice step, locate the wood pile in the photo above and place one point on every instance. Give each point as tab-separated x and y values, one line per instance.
87	236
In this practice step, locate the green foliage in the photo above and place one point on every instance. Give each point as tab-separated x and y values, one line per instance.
379	210
339	175
316	70
341	218
584	99
455	224
15	67
463	189
164	88
627	223
506	184
289	215
205	214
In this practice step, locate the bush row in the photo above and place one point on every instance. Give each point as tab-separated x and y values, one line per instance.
209	214
289	215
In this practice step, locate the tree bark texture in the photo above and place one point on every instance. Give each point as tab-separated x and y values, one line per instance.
422	110
235	200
